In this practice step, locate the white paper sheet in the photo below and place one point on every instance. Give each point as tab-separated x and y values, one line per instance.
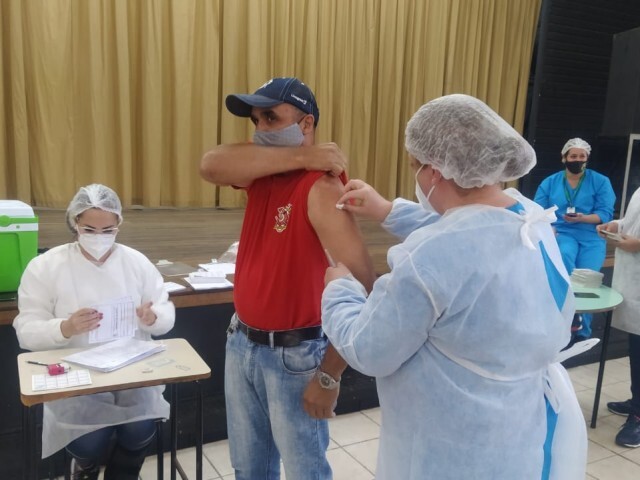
118	320
226	268
114	355
206	277
209	286
173	287
73	378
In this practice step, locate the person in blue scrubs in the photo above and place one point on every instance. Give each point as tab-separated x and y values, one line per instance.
584	199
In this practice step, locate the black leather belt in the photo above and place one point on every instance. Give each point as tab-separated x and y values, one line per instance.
281	338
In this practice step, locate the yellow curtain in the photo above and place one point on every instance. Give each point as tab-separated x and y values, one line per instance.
131	93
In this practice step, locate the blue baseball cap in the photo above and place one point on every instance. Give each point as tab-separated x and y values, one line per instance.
276	91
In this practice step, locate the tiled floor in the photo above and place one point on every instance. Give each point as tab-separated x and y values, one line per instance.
606	460
354	437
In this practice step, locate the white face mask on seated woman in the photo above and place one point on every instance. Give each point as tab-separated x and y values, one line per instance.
96	244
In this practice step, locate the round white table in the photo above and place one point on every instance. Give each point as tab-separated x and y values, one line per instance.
596	300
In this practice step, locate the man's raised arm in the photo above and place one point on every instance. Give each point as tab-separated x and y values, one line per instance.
240	164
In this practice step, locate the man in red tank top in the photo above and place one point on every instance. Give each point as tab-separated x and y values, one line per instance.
282	377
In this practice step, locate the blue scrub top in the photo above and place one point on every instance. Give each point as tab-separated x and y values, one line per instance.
594	195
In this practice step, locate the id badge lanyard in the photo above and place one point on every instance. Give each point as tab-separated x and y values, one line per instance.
571	198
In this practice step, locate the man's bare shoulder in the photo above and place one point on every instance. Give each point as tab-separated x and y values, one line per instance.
327	185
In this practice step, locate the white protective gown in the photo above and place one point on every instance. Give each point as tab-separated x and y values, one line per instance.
57	284
626	273
460	335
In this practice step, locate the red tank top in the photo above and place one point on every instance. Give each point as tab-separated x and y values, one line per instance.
280	266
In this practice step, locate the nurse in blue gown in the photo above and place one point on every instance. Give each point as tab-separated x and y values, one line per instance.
463	332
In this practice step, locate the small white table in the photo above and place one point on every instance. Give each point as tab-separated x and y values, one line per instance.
607	300
183	365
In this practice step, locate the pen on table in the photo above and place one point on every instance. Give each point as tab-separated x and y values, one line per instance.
37	363
54	368
329	258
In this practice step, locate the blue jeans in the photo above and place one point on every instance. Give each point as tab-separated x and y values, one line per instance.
90	448
265	416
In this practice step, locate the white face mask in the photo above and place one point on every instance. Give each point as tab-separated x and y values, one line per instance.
290	136
97	244
424	200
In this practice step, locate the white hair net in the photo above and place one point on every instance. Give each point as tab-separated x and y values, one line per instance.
467	142
93	196
576	143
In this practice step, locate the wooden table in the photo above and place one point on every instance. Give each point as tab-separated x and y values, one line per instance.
185	366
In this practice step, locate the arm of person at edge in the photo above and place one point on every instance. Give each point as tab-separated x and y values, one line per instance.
240	164
339	233
628	243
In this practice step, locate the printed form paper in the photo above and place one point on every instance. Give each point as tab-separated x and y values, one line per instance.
119	320
74	378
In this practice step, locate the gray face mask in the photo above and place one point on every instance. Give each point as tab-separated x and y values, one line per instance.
290	136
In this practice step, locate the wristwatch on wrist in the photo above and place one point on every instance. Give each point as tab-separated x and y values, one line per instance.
327	381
